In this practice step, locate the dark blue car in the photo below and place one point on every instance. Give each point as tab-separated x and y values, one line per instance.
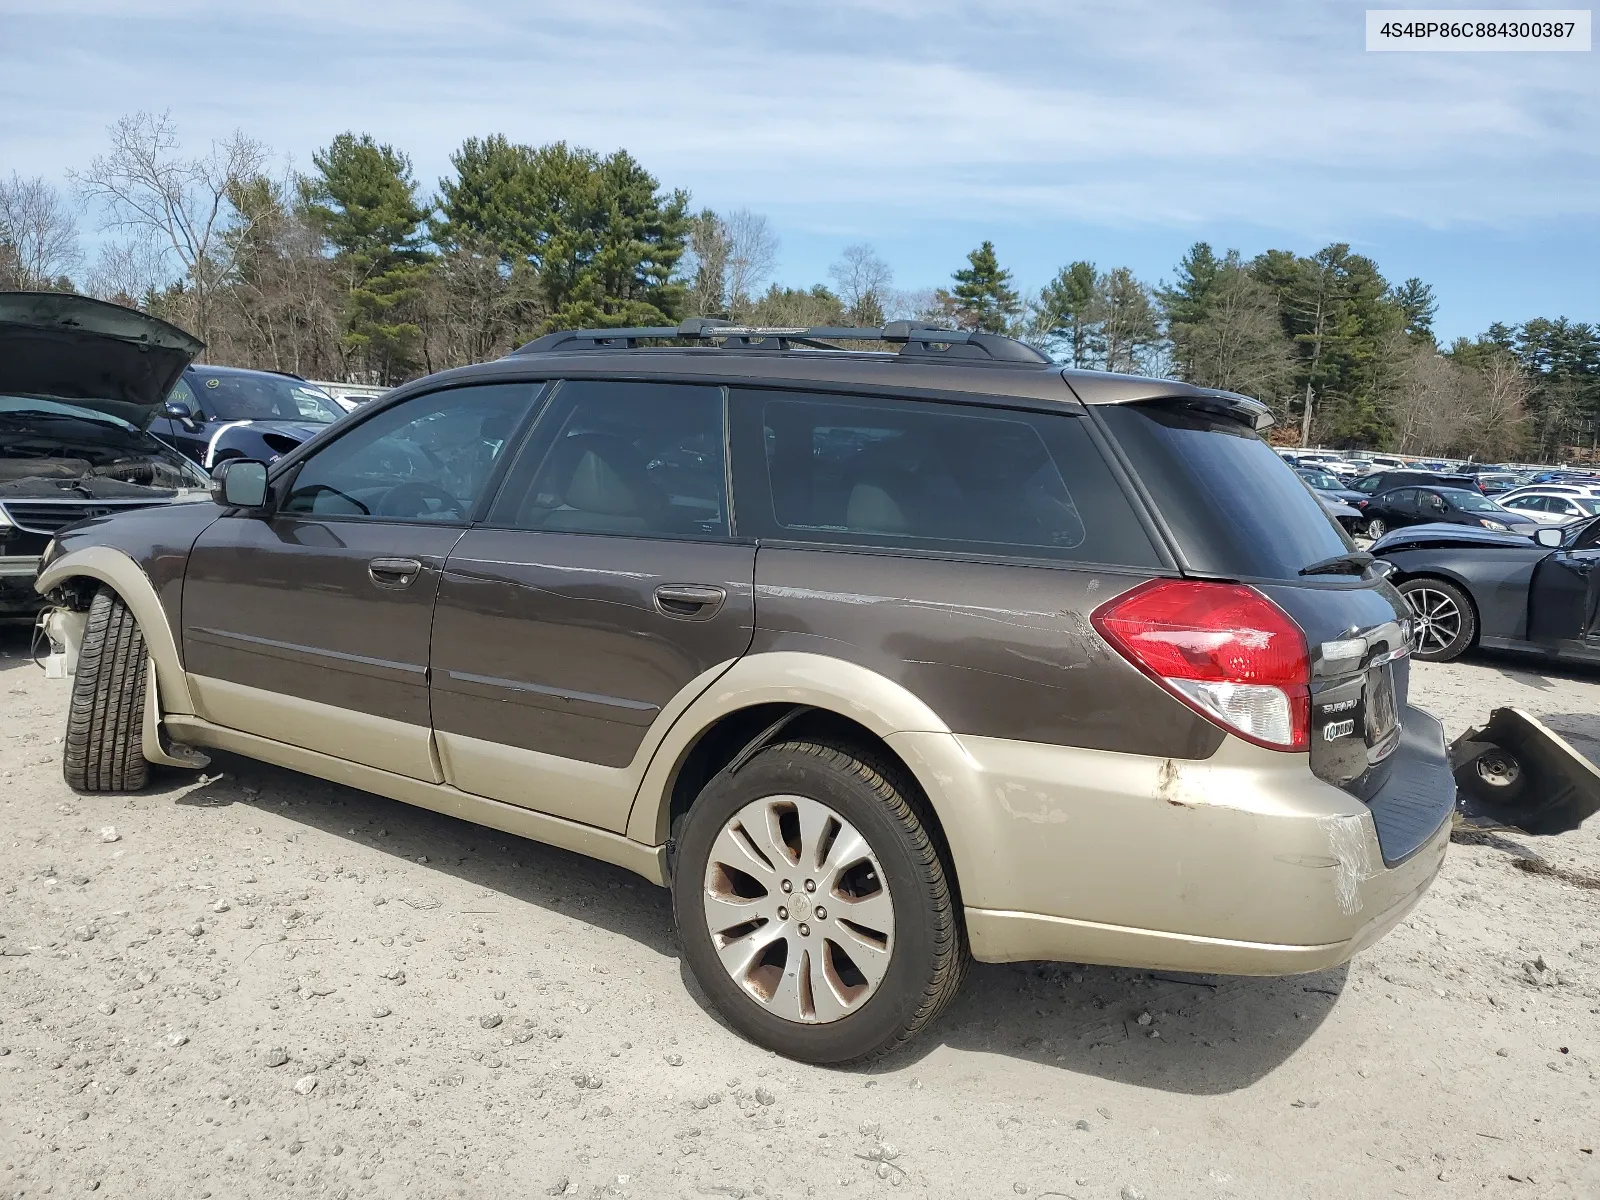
216	413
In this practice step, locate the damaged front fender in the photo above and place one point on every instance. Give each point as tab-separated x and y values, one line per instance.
1516	772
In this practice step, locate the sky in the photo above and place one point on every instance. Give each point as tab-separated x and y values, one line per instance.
1115	132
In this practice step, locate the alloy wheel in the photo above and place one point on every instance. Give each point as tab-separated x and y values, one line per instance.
1437	622
798	908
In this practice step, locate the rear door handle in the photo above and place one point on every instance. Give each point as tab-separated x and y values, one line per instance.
690	601
396	574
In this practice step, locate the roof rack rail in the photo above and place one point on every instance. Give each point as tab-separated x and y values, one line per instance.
914	338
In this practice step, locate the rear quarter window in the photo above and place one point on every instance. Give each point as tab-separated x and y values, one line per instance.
922	475
1234	507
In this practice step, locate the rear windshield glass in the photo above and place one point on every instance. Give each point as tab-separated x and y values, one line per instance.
1234	506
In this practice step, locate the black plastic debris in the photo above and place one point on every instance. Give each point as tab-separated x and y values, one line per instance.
1515	772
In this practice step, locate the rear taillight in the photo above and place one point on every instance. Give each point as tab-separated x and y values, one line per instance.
1223	649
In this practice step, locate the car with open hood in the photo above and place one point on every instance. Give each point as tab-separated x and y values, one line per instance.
80	382
216	413
1471	586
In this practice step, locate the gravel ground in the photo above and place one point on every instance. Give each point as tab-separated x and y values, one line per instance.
257	984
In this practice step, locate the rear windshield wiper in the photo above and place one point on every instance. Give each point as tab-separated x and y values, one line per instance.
1354	563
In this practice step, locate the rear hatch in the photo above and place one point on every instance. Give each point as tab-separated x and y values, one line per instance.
1233	510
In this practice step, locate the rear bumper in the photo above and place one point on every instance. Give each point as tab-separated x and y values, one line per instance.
1244	863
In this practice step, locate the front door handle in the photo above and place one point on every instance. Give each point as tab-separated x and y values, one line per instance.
690	601
394	573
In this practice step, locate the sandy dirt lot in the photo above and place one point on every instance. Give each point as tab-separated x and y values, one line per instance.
255	984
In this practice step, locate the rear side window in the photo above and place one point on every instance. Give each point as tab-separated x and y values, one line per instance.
927	476
644	459
1232	504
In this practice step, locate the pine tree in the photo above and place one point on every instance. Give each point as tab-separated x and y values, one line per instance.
1418	306
1063	318
983	296
363	201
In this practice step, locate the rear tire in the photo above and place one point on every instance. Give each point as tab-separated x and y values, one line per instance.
1376	528
778	977
1444	623
104	749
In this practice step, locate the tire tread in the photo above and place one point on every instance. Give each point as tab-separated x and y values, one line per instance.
104	745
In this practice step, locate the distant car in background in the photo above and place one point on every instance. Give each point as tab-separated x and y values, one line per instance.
1441	505
214	413
1384	481
1331	487
1553	508
350	396
1548	489
1494	483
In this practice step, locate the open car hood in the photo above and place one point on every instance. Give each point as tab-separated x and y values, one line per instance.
89	353
1416	537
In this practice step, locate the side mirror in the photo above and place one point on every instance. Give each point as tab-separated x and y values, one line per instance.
240	483
182	411
1548	536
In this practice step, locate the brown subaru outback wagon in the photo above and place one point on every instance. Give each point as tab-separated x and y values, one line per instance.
878	659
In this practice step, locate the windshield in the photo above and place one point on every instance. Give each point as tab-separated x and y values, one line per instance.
1320	479
1233	505
251	396
1470	501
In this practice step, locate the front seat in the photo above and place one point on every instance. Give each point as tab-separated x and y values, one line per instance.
598	483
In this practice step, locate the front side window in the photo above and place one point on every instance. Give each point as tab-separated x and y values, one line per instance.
425	459
259	396
929	476
644	459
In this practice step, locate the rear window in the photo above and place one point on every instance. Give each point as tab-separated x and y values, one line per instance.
1232	504
921	475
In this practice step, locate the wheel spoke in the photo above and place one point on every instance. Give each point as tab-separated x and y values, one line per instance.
815	820
786	999
826	1003
870	912
871	959
848	849
735	848
739	955
724	912
767	830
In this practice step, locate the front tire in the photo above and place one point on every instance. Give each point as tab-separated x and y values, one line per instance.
104	749
1444	623
814	907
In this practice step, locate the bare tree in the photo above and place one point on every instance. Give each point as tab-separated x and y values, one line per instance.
127	272
145	185
864	281
38	236
705	265
1443	406
1238	345
752	254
